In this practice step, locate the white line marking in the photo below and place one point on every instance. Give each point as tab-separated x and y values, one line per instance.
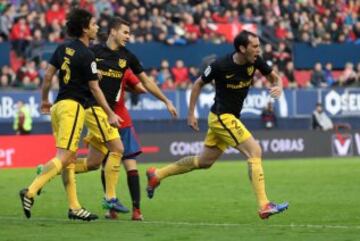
292	225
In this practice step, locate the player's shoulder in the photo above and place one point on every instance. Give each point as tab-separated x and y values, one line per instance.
97	47
126	52
223	62
259	61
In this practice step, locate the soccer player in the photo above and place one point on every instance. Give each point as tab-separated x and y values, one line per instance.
78	82
113	60
131	146
233	75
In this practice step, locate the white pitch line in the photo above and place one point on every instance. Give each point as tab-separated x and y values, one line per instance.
292	225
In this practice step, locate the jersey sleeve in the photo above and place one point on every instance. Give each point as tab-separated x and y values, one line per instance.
262	66
134	64
130	78
90	67
54	61
209	73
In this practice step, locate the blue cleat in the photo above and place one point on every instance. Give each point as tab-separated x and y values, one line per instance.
271	209
115	204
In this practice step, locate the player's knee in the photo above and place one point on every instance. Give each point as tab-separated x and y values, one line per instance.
117	149
255	151
205	164
93	166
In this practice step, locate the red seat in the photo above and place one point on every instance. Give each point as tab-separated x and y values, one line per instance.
302	77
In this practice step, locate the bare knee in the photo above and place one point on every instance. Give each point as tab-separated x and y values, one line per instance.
116	147
255	151
206	163
93	166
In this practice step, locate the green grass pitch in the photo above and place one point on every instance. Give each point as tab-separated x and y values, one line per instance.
206	205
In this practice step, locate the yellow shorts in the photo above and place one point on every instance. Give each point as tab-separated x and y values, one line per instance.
94	142
99	129
225	130
67	121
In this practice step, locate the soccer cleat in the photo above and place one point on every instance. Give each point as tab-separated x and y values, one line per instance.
136	215
81	214
271	209
111	214
39	170
153	182
26	202
115	204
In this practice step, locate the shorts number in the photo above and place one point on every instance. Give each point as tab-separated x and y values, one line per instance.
65	67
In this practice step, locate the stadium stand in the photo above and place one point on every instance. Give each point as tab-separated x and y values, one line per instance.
29	24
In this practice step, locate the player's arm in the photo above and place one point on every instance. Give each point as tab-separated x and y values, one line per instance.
49	74
207	76
271	75
137	88
155	91
276	88
195	92
114	119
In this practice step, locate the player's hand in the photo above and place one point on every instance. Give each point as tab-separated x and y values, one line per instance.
171	108
193	122
115	120
275	91
45	107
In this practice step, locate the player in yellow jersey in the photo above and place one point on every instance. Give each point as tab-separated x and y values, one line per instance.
233	75
78	83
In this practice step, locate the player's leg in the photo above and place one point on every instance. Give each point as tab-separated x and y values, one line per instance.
186	164
67	125
133	182
132	149
252	150
97	151
99	127
213	149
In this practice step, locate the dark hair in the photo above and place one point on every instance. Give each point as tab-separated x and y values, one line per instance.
77	20
242	39
116	22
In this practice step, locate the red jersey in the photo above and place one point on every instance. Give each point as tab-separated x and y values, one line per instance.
120	109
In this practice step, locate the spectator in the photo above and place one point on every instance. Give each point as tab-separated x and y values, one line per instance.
289	72
20	36
8	76
181	75
320	120
22	119
348	76
318	76
6	20
330	80
268	117
164	72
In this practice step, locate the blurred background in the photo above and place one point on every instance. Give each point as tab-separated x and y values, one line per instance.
313	44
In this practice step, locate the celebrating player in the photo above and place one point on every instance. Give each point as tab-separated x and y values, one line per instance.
113	60
233	75
78	82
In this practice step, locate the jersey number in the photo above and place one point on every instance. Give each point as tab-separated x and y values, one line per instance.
65	66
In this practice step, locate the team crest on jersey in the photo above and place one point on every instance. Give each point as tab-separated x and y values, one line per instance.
250	70
122	63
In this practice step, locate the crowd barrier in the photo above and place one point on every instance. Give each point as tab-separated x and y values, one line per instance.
29	151
298	103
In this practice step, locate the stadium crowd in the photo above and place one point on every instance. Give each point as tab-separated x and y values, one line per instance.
29	24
